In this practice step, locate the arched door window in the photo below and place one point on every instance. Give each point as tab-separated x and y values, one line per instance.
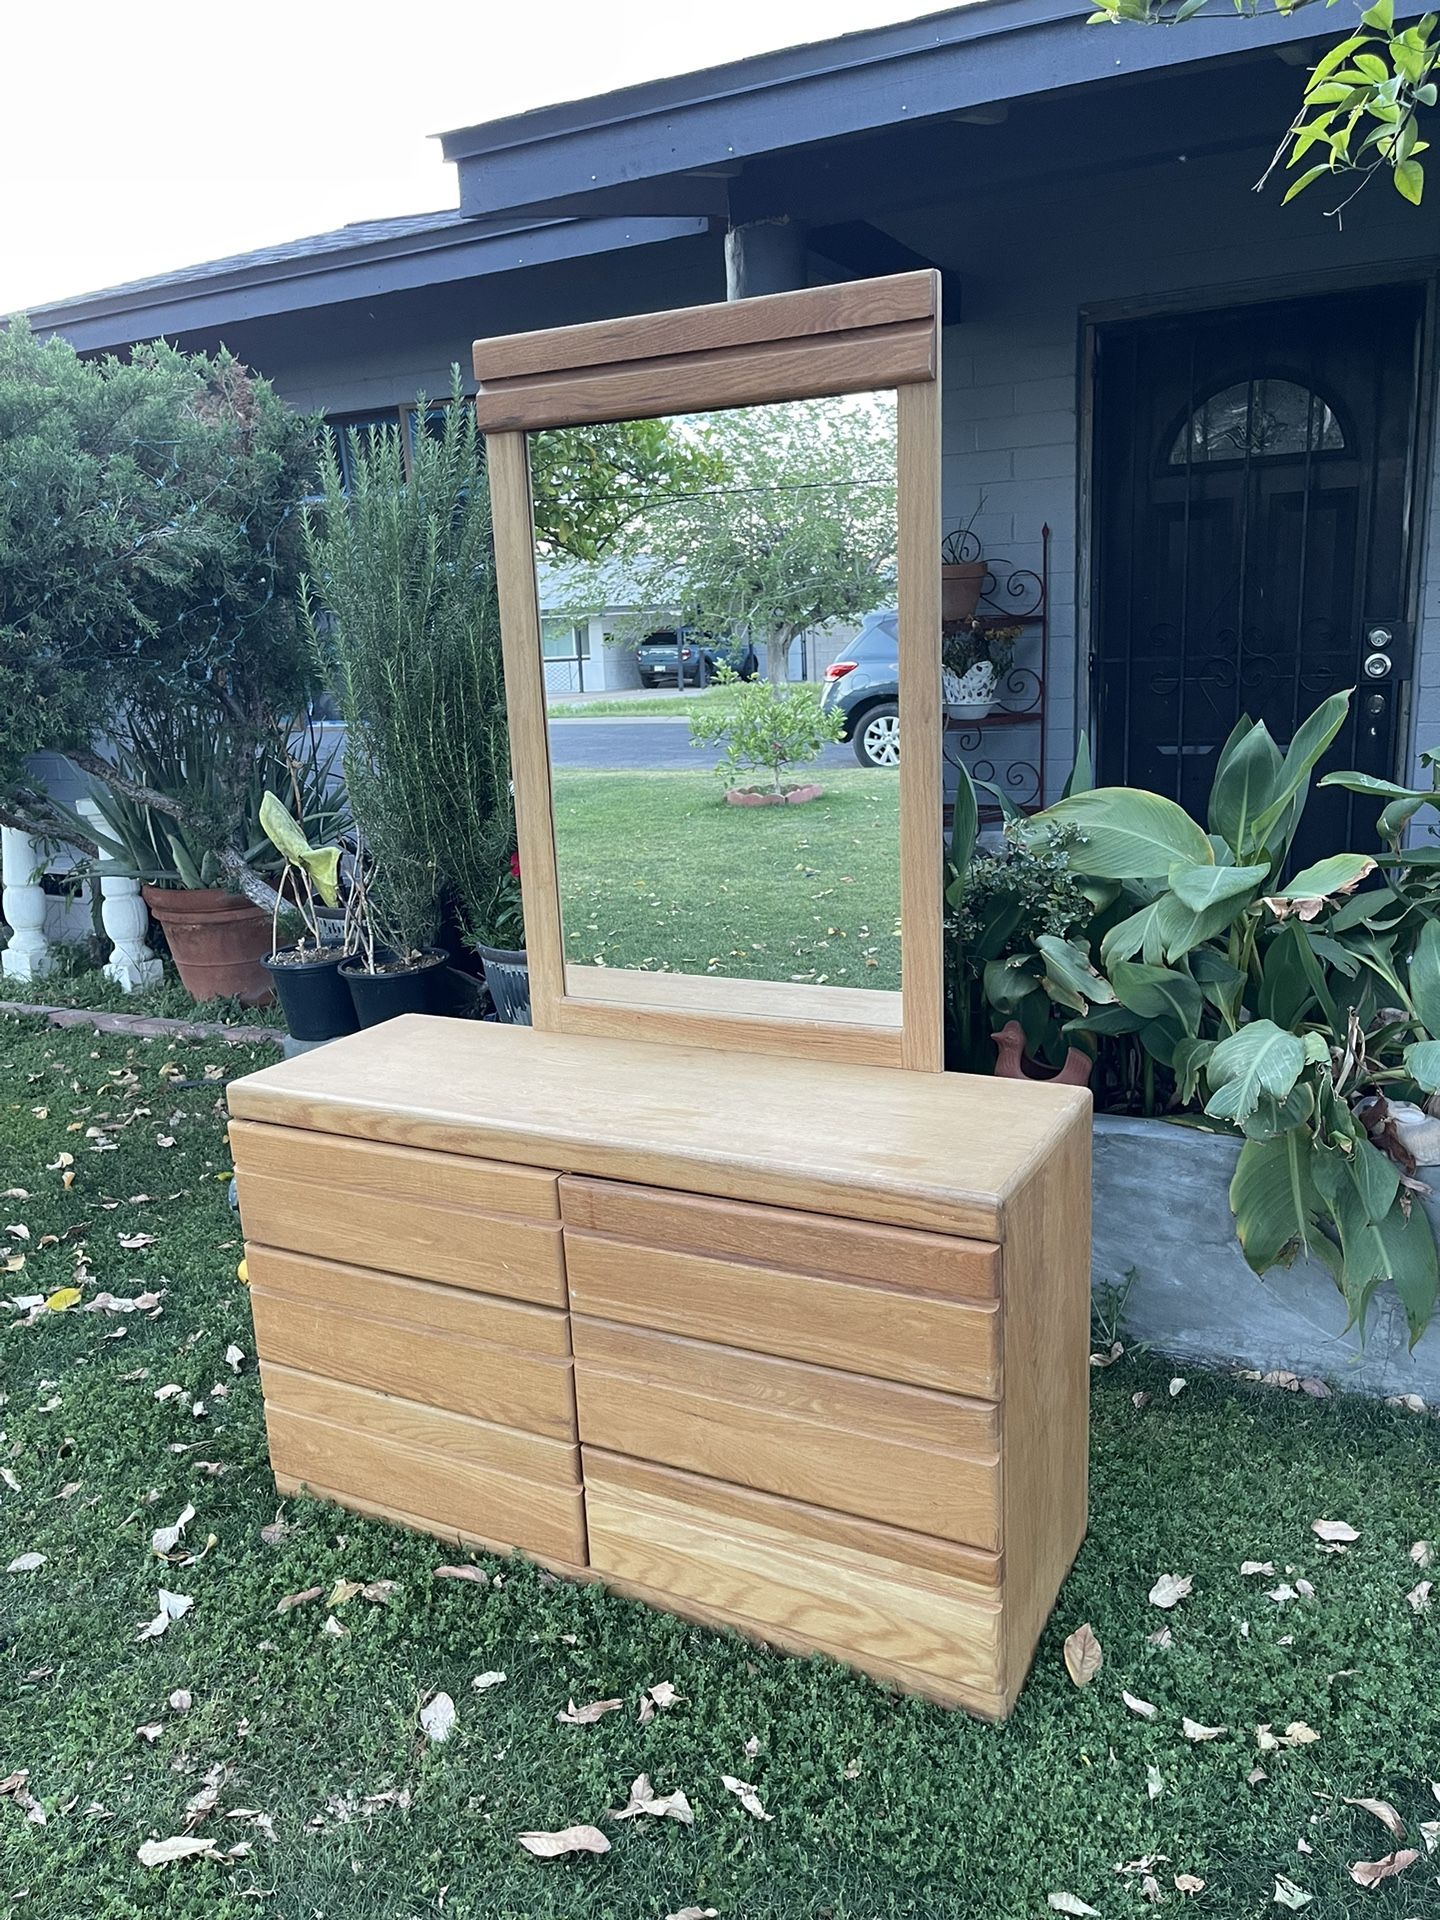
1258	420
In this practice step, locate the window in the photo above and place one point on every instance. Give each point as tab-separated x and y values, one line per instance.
383	420
1258	419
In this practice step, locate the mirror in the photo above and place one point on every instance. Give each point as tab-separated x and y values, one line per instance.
718	635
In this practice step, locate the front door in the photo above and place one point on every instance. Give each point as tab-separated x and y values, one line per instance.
1254	478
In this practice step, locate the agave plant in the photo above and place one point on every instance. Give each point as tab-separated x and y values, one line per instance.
1286	1010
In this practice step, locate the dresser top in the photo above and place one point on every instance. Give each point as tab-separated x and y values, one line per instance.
941	1151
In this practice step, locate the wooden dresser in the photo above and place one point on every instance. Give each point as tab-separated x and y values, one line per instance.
785	1345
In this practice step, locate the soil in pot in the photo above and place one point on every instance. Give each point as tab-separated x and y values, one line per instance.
401	983
217	940
317	1002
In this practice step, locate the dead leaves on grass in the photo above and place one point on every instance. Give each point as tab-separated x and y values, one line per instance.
173	1606
586	1716
1383	1812
1170	1589
552	1846
663	1806
1370	1873
746	1795
1084	1656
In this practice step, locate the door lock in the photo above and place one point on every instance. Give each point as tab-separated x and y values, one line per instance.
1379	637
1377	666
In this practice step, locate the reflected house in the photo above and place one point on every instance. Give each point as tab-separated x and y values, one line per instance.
591	625
1220	407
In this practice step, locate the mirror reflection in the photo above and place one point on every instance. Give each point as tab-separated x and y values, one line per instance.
718	630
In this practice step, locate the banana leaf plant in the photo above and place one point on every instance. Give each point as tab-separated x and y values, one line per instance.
1283	1009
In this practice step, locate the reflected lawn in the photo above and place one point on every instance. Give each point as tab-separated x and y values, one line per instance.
657	871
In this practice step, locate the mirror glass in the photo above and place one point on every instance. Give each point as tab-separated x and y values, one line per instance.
719	640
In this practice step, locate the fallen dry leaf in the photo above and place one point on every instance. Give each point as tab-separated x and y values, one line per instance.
1422	1553
1083	1655
1189	1883
1297	1734
26	1563
477	1574
1334	1530
1100	1360
184	1846
1267	1567
549	1846
1069	1903
1170	1589
1383	1812
1287	1894
1144	1708
694	1913
234	1357
301	1599
1154	1781
164	1540
1162	1637
746	1795
574	1716
483	1682
150	1733
1370	1873
1419	1595
438	1718
1177	1387
664	1806
173	1606
1193	1730
661	1695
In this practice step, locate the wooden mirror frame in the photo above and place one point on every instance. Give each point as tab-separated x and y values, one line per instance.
859	337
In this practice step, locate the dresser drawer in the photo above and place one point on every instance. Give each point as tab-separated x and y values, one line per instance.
879	1331
432	1216
522	1378
810	1243
804	1578
420	1466
924	1461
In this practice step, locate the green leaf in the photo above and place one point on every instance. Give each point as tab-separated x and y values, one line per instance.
1422	1063
1260	1058
1137	933
1425	978
1311	740
1068	964
965	824
1189	1060
288	838
1376	1177
1306	179
1397	1248
1082	774
1245	778
1276	1205
1158	993
1410	185
1338	873
1211	886
1129	834
1381	16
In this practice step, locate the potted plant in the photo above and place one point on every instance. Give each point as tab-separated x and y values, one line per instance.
770	729
317	1002
962	569
974	655
387	972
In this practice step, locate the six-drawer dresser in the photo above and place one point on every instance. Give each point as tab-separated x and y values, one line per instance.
786	1345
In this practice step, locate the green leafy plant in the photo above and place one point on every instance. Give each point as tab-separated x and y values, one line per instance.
311	875
1285	1010
765	728
400	604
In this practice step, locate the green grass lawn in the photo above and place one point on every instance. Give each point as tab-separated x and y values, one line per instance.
77	979
656	870
882	1807
609	707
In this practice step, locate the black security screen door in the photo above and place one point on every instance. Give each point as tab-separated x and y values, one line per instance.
1253	501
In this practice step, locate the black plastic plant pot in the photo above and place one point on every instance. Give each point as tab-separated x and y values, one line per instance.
381	996
315	999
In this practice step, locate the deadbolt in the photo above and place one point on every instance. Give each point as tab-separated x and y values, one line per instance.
1377	665
1379	637
1374	703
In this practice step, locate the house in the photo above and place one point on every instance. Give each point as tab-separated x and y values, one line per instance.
1221	408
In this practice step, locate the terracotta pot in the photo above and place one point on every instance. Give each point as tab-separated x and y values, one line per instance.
1013	1063
960	589
217	941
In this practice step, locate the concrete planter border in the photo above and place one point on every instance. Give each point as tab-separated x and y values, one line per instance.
1161	1214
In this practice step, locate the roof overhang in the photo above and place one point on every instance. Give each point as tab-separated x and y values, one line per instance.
672	146
263	286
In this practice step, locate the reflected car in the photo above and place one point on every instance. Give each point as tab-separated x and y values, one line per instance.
701	657
863	686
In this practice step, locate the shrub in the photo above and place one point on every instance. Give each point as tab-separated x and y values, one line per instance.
765	728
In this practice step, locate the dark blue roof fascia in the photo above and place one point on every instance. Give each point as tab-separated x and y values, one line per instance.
557	158
324	271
